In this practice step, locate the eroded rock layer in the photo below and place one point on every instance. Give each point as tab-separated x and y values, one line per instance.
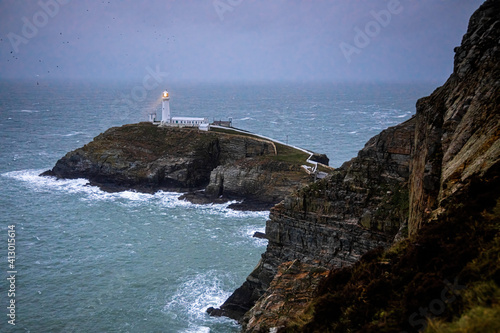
434	178
331	223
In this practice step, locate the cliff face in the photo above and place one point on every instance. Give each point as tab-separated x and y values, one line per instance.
332	222
144	157
457	126
227	166
434	177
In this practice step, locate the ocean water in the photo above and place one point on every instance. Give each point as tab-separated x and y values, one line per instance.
91	261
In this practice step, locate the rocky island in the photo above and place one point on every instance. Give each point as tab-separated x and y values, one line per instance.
405	236
215	166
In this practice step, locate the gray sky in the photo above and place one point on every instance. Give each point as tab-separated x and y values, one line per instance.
232	40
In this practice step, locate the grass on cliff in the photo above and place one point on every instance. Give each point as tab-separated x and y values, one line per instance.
446	279
291	155
479	319
284	153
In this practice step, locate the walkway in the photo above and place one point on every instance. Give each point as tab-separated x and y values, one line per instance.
312	170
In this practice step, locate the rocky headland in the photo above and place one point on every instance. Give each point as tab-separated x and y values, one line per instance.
405	236
215	166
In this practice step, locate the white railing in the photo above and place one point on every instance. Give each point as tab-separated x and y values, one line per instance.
309	169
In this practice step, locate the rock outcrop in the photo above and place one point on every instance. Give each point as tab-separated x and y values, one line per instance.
331	223
294	285
435	173
210	166
457	126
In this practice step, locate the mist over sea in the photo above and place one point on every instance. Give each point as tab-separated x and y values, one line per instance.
91	261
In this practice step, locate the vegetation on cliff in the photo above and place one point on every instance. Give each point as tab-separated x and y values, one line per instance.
449	273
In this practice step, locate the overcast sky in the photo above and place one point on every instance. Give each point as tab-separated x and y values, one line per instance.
232	40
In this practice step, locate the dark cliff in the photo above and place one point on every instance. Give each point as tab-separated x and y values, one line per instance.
333	222
408	230
209	166
457	126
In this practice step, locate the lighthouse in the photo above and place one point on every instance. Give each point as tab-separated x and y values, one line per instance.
165	108
168	121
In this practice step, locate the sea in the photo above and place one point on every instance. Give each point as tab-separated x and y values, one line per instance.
77	259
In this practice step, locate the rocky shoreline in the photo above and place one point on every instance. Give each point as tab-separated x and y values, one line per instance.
208	167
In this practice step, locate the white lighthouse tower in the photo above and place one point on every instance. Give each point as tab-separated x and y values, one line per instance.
165	108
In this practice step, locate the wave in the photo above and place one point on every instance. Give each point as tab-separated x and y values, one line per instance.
66	135
199	292
405	115
197	329
27	111
223	209
249	231
32	179
37	183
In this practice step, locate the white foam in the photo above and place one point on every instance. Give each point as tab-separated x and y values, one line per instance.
68	134
197	294
197	329
42	184
223	209
250	230
38	183
33	181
